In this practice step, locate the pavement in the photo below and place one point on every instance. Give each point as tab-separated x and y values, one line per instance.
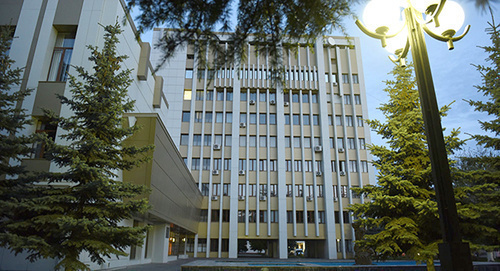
169	266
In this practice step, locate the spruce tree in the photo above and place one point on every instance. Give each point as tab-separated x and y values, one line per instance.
401	214
13	145
479	186
82	207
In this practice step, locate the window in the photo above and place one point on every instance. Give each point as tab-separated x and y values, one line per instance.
252	216
362	144
187	94
289	191
218	117
295	97
229	95
228	140
287	119
298	191
253	96
272	165
314	98
347	99
315	119
272	118
340	142
343	192
288	164
214	245
241	190
321	217
243	96
359	120
216	192
353	165
274	216
262	141
262	118
307	142
334	166
263	216
210	95
287	142
305	120
341	165
218	140
220	95
184	139
229	117
201	74
196	140
305	97
208	117
263	189
206	164
355	79
272	141
317	141
242	164
243	118
262	96
186	115
289	216
252	165
309	190
330	120
227	163
317	166
61	57
272	96
319	190
274	190
217	163
50	131
252	190
308	166
190	245
262	165
252	141
364	166
241	216
189	74
298	165
253	118
204	215
296	119
310	216
338	120
204	189
296	142
195	164
198	116
332	143
351	143
225	217
299	215
345	78
199	95
243	141
349	121
357	99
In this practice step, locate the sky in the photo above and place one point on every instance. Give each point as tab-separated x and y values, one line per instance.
453	74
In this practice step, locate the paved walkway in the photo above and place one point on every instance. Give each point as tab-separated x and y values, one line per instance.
170	266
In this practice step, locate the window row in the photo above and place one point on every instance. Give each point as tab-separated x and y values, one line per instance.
353	166
351	143
252	118
252	95
264	165
202	245
305	97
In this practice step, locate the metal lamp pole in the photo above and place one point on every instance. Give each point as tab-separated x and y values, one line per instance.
453	253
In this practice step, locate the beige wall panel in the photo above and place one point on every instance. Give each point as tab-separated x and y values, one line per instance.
46	97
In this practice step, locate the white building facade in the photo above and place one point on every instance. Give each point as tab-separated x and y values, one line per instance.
273	163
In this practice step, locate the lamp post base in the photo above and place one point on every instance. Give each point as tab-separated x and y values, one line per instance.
461	260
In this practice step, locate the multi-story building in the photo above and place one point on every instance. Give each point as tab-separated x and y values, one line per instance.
50	38
273	163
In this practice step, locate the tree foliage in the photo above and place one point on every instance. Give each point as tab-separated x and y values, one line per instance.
81	208
479	184
268	24
401	215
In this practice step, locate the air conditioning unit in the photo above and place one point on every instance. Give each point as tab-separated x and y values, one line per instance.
286	103
272	102
252	102
215	172
262	198
335	83
241	197
318	148
241	172
319	173
309	198
335	199
341	150
342	173
215	198
216	147
243	125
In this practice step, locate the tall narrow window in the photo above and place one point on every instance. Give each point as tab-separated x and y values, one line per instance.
50	130
61	57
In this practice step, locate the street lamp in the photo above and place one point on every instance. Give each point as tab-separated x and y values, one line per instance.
401	32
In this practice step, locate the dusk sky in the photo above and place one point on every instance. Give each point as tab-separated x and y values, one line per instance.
454	76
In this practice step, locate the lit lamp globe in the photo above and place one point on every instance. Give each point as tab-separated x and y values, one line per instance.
451	19
397	43
383	16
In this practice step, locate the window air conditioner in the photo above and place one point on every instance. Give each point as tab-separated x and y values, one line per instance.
335	83
319	173
318	148
309	198
286	103
241	197
241	172
215	198
243	125
215	172
342	173
216	147
341	150
272	102
262	198
252	102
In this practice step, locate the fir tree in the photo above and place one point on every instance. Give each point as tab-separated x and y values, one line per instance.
81	208
401	215
479	187
13	145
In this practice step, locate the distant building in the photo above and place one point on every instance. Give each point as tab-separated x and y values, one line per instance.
273	164
50	37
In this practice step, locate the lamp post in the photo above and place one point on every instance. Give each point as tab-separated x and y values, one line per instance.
454	254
